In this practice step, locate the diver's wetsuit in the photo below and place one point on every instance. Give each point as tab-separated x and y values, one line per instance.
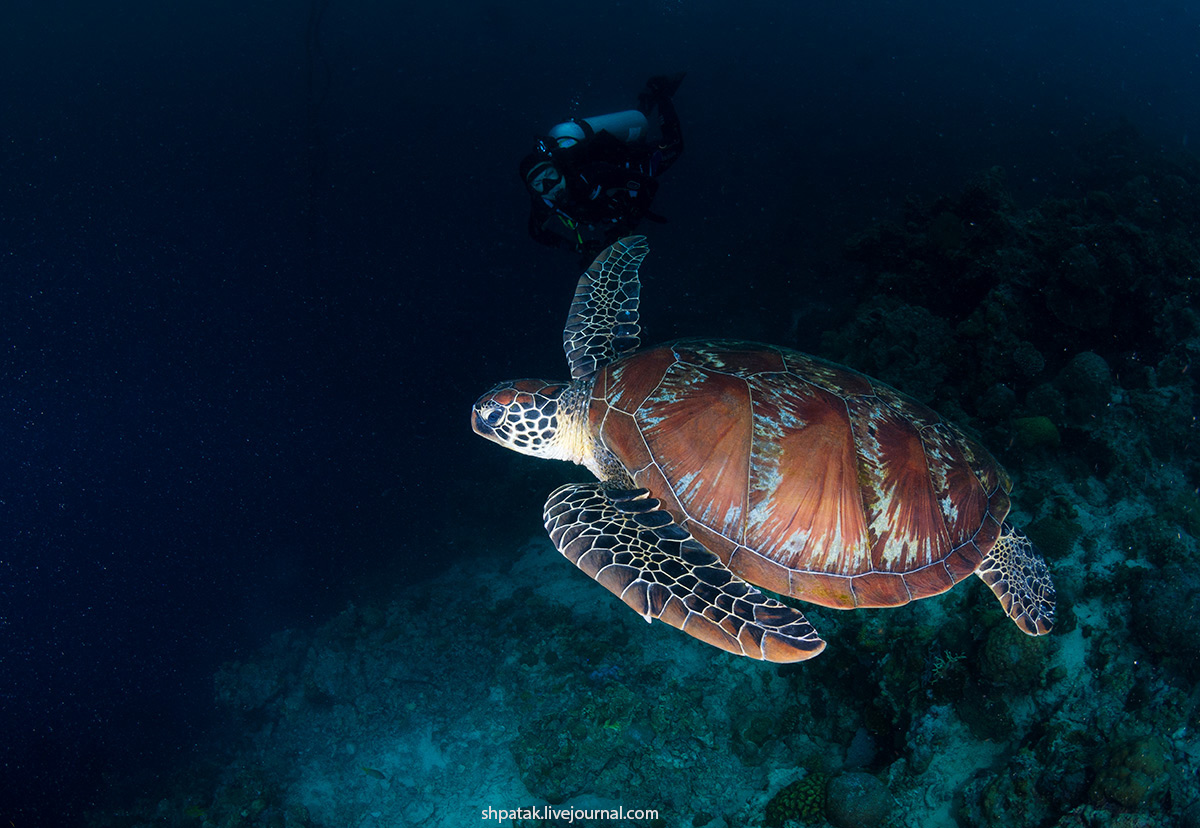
608	184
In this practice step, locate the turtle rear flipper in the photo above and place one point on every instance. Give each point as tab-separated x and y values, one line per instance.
1018	576
634	548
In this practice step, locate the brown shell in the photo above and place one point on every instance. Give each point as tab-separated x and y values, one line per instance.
805	477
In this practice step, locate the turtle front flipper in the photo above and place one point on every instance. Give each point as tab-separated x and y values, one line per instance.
627	542
1019	578
602	324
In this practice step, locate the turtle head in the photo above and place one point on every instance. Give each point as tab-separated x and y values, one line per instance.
528	416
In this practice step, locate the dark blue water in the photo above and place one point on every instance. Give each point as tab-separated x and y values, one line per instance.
257	260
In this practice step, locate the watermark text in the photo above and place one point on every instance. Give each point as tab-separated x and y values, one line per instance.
568	816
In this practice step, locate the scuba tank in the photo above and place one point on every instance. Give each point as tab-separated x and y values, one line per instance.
627	126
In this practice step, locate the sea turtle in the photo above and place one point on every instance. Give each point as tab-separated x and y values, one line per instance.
729	465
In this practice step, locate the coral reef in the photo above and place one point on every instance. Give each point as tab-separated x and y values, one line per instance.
802	801
1062	335
1133	774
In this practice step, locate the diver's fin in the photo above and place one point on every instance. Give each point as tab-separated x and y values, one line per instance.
665	85
658	92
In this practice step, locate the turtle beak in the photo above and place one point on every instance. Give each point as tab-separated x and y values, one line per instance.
478	425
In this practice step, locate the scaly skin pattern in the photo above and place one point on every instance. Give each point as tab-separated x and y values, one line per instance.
631	547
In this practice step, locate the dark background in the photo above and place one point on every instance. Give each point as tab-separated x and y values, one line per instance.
257	260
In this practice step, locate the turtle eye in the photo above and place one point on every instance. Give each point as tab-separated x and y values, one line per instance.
491	414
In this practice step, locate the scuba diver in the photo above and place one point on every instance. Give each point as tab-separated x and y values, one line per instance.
591	180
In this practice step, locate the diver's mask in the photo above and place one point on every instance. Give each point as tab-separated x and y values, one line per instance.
546	180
